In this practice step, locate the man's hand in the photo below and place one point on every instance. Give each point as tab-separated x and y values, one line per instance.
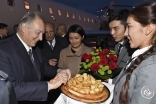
62	77
52	62
65	71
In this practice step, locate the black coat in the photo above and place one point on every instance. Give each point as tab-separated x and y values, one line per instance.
48	53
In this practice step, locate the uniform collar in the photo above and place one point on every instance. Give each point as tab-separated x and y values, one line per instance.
140	51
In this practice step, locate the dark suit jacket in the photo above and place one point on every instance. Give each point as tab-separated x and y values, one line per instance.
48	53
27	80
7	93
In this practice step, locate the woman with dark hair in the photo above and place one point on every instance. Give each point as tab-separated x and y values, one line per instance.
136	83
70	57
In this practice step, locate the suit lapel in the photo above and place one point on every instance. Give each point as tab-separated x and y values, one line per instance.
36	60
23	54
122	54
116	48
47	46
123	51
57	43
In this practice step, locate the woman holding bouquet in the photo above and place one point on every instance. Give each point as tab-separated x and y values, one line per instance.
70	57
136	82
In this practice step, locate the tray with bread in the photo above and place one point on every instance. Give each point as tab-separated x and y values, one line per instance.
85	88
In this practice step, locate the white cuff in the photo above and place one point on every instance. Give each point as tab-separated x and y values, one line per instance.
110	81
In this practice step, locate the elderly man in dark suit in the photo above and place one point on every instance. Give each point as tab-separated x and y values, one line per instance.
117	25
22	61
52	45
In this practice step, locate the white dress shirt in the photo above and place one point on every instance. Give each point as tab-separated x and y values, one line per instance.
63	35
139	52
53	42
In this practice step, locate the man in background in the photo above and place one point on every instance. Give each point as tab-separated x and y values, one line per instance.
117	24
3	30
52	45
61	30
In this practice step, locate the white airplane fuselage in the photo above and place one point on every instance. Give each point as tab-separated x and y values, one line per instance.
11	15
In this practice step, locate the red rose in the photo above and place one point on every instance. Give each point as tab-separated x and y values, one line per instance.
103	61
112	57
101	54
89	57
102	57
106	51
94	67
84	57
112	65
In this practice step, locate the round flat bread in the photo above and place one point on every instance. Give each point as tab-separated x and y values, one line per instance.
90	98
85	88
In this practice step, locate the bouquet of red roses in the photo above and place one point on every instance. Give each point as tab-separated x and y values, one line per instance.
101	63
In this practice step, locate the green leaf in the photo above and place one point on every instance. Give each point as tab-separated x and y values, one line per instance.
81	65
89	65
83	71
116	72
102	77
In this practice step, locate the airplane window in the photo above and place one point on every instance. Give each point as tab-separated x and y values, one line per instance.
79	17
92	21
67	14
73	16
50	10
39	7
11	3
27	5
84	18
59	12
88	20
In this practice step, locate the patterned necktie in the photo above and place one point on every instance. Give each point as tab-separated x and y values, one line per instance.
31	56
51	45
119	48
